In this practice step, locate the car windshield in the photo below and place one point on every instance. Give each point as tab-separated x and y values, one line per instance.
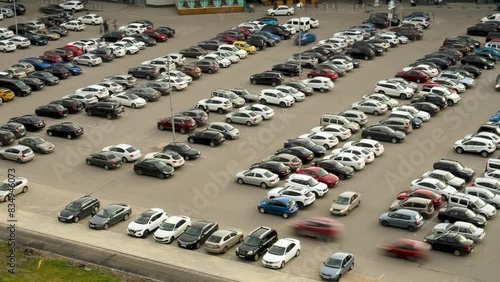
277	251
4	187
193	231
131	149
312	182
333	263
19	84
322	173
440	185
103	213
73	207
166	226
229	127
469	214
480	203
449	176
281	95
160	165
342	200
214	239
268	174
252	241
142	219
183	147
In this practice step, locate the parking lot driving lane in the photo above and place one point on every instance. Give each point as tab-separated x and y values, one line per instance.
205	188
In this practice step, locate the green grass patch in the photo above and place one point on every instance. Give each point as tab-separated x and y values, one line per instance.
36	268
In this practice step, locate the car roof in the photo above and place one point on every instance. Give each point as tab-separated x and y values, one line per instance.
339	255
418	200
299	176
284	242
407	212
463	224
258	170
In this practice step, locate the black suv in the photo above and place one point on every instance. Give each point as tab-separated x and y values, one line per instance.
456	168
207	137
493	127
306	143
288	69
257	243
79	208
269	77
106	109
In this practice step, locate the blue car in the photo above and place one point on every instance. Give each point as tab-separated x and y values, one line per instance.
36	39
489	50
495	117
305	38
74	70
336	266
268	20
270	35
279	205
37	63
402	218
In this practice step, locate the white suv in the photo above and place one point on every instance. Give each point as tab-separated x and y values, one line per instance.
486	135
394	89
99	91
324	139
305	181
288	90
5	33
350	159
424	116
275	97
302	196
475	145
241	53
215	104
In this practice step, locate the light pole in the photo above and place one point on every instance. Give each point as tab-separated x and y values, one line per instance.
299	7
15	17
169	61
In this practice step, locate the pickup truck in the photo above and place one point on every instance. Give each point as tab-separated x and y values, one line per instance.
451	98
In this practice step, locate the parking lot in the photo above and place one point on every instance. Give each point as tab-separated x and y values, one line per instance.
205	188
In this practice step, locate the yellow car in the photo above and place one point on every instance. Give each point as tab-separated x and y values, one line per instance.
48	35
245	46
6	94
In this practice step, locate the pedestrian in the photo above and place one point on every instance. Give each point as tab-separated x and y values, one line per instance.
100	28
115	27
105	25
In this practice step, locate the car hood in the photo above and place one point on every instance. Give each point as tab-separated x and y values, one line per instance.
246	248
135	226
187	238
457	182
67	213
272	258
336	206
163	233
97	220
329	270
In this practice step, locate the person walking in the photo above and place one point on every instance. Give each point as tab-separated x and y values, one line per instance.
105	25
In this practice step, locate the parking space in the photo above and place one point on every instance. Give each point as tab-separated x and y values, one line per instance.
205	188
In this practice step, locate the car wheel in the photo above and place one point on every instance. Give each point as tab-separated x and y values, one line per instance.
273	84
457	252
394	140
240	181
367	58
88	162
37	43
19	161
285	215
376	113
106	226
300	205
450	103
76	219
228	120
484	154
385	223
256	257
459	150
210	71
253	81
418	81
283	105
351	267
212	144
224	250
241	239
148	77
89	113
346	213
411	228
69	137
326	146
342	176
191	140
2	157
124	160
161	176
182	131
322	90
401	96
282	264
249	124
263	102
263	185
220	111
109	116
133	106
106	167
272	15
146	234
125	217
485	67
288	14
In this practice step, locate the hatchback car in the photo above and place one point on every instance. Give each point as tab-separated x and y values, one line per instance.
402	218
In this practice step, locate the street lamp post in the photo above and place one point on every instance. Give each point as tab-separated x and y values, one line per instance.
169	61
299	7
15	17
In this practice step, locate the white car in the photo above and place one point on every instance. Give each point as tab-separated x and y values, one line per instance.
163	64
493	174
176	84
86	46
169	158
369	144
322	84
13	186
179	75
336	130
6	33
419	21
350	159
215	104
391	38
21	42
172	228
466	229
141	45
475	145
290	28
230	55
146	222
281	252
74	25
113	87
262	110
342	63
222	62
296	94
445	176
434	185
257	176
73	6
244	117
250	26
355	116
302	196
402	39
6	12
281	10
118	51
94	42
341	42
86	99
325	139
424	116
133	28
394	89
126	152
241	53
258	24
7	46
18	153
130	49
356	35
303	181
370	106
129	100
275	97
177	58
486	135
492	184
92	19
99	91
35	24
349	40
358	151
382	98
432	72
313	22
333	47
90	60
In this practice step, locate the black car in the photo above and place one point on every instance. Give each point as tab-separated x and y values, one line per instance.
378	21
478	61
146	93
207	137
47	22
334	167
269	78
62	31
443	55
451	242
51	9
183	149
443	64
306	143
107	160
196	234
490	126
162	87
277	30
299	85
275	167
79	209
305	155
46	77
435	99
426	107
199	116
59	71
193	52
36	39
31	123
152	167
57	19
73	106
17	86
207	66
22	29
481	29
456	168
325	51
104	53
144	38
108	109
37	144
270	42
257	243
16	128
257	42
410	33
316	54
454	214
110	215
147	72
361	53
113	37
67	130
245	94
19	8
379	51
6	137
287	69
52	110
468	39
170	32
210	44
383	133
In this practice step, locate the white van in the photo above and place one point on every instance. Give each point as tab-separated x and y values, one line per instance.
304	25
493	44
492	17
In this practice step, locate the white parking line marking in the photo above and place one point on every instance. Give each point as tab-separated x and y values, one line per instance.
381	276
429	221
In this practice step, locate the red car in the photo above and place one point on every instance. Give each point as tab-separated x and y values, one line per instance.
318	227
430	84
246	31
52	58
413	75
225	38
321	175
75	50
183	124
159	37
422	193
408	249
328	73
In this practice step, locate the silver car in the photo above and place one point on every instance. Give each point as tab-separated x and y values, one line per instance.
345	203
370	106
488	183
229	131
89	60
485	195
447	177
382	98
263	110
249	118
420	205
222	240
289	160
257	176
468	230
12	187
18	153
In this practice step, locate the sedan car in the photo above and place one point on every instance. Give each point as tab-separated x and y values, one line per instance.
257	176
413	75
110	215
446	177
67	130
435	198
450	242
197	234
52	110
407	249
37	144
321	175
153	167
281	252
434	185
336	266
147	222
107	160
172	228
12	187
89	60
383	133
304	38
370	106
466	229
222	240
183	149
